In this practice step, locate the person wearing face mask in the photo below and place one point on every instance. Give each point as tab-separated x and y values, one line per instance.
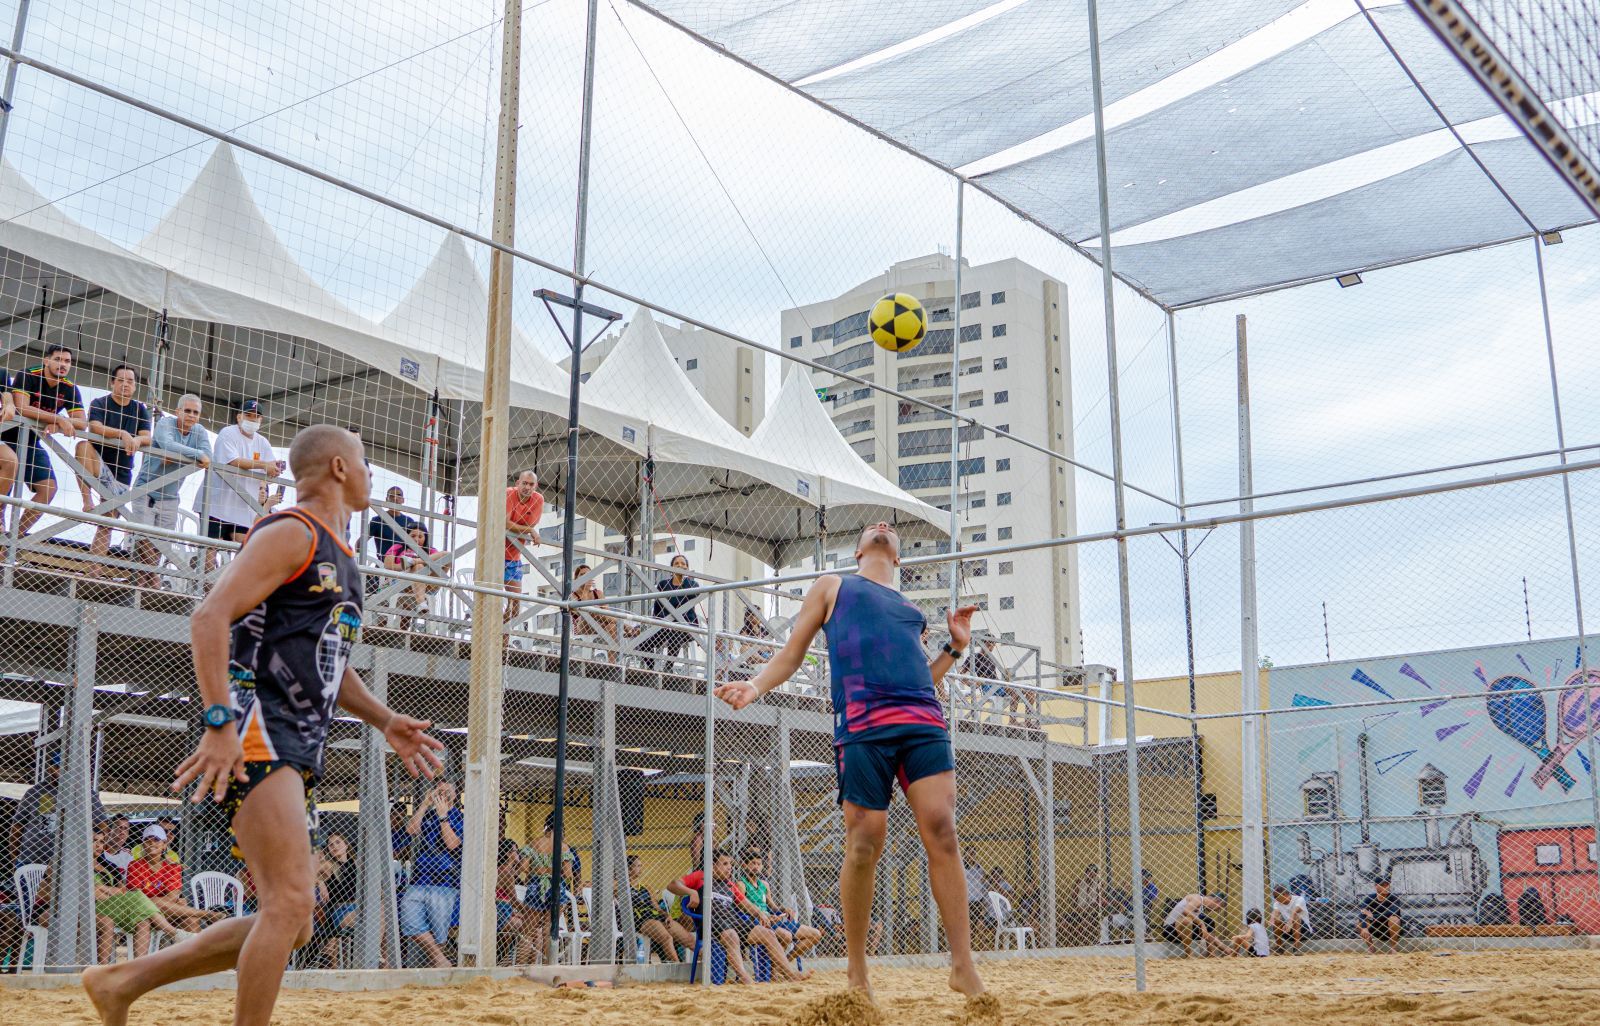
242	446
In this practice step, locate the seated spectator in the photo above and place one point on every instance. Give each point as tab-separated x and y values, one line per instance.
161	880
1531	908
337	891
1088	902
1291	919
45	397
1380	918
592	621
177	442
1150	893
541	873
650	919
732	920
746	657
406	557
170	825
511	914
432	900
125	908
118	427
380	534
33	818
1253	941
117	856
1188	923
399	836
784	922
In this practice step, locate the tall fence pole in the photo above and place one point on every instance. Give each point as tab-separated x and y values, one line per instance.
1196	759
19	29
707	827
569	490
1251	841
955	405
476	942
1572	545
1108	282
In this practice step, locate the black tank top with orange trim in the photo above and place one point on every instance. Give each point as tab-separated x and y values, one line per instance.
289	653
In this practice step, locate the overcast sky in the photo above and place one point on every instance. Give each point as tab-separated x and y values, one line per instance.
723	196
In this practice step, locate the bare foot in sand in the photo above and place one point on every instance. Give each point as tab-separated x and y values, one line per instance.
803	975
965	980
99	981
862	985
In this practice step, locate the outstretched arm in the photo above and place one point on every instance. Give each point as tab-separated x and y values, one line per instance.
814	612
960	624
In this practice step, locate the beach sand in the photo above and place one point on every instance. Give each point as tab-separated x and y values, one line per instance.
1543	987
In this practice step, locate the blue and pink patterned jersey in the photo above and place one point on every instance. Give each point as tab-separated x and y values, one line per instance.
879	671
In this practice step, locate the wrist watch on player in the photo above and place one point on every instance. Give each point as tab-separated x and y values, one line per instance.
218	716
951	651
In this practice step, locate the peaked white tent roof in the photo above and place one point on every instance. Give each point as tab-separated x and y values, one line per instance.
797	430
640	397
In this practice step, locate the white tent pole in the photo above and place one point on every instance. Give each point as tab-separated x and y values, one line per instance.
1252	841
17	32
485	712
1130	731
955	404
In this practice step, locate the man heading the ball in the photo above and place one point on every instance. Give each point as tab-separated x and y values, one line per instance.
888	725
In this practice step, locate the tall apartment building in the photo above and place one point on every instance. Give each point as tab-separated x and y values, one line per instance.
1015	375
732	380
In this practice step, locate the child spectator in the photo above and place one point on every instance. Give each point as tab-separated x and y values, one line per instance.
650	919
1253	941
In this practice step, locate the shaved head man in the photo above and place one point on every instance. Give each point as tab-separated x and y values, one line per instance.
271	648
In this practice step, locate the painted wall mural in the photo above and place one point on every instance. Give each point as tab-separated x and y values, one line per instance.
1490	792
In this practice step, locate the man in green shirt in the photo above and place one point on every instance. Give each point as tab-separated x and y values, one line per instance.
788	927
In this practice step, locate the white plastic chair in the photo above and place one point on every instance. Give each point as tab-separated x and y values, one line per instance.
209	890
572	932
25	883
1021	937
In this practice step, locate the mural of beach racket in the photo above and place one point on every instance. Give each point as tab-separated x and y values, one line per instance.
1518	712
1575	720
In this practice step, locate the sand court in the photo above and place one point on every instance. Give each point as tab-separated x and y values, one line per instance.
1341	990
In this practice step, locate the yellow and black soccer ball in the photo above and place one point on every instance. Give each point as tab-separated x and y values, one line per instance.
897	322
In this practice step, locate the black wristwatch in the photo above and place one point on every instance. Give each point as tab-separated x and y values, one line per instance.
218	716
953	653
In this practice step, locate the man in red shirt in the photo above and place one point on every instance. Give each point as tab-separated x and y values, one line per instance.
524	507
734	920
161	880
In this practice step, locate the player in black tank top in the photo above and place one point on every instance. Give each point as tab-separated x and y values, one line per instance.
271	648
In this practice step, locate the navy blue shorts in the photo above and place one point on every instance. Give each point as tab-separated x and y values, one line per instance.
36	467
868	769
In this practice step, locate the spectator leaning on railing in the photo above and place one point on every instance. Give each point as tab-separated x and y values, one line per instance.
177	440
242	446
119	426
48	399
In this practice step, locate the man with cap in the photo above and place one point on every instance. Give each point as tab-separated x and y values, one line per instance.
240	446
33	820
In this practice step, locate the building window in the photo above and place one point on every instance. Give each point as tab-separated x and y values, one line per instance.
1002	396
1000	363
1008	635
794	342
977	502
1007	602
1005	567
1004	463
935	342
613	583
975	402
971	300
996	298
979	536
849	359
971	332
1547	854
688	545
1318	801
941	314
1003	427
691	365
583	378
1003	499
997	330
1431	792
1004	534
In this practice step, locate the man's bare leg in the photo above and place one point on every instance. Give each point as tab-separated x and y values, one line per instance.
730	944
806	938
864	834
775	948
933	801
271	828
431	948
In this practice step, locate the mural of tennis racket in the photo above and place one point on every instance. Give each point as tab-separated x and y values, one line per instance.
1575	720
1518	712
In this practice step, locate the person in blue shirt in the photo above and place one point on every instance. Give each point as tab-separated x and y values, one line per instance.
178	442
433	898
888	726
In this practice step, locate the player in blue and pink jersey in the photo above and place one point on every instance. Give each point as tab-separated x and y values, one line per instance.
888	725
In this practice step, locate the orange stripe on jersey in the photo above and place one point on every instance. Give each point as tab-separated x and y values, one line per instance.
257	746
333	535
